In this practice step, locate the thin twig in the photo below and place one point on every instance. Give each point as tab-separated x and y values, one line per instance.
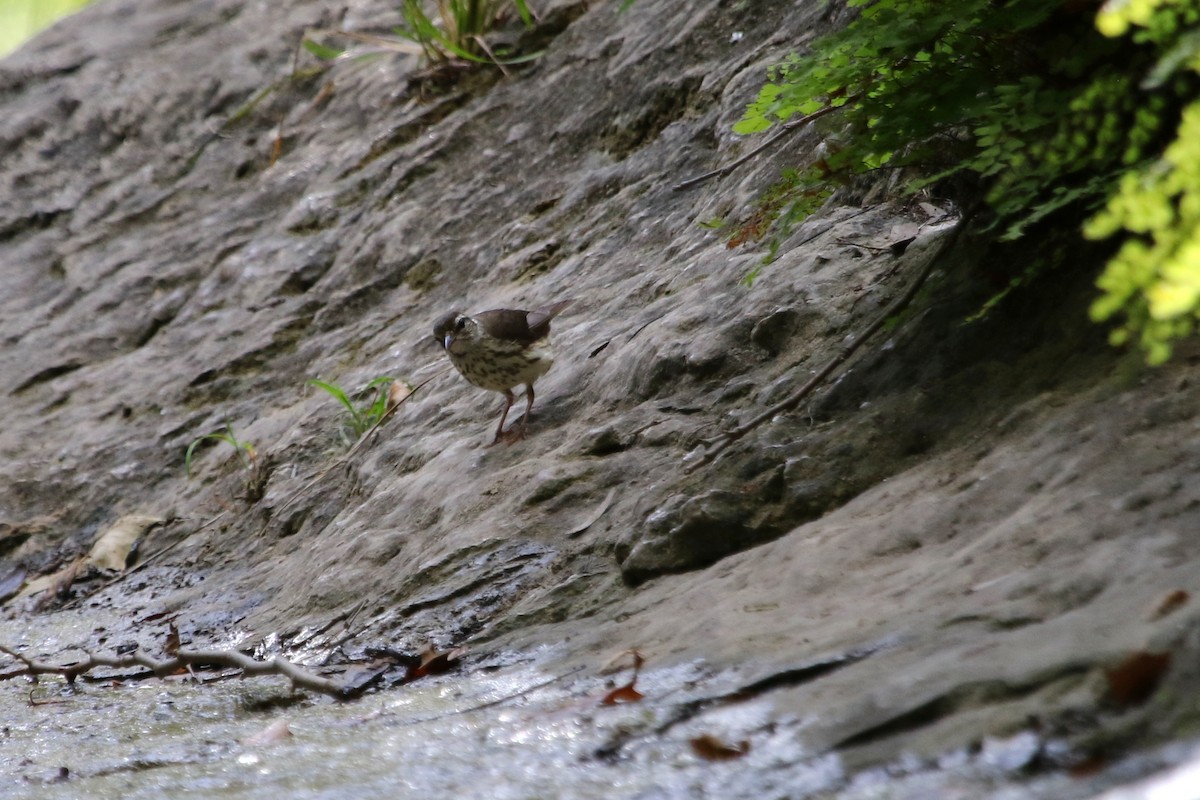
299	676
714	447
787	128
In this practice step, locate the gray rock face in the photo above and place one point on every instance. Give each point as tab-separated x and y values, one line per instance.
952	541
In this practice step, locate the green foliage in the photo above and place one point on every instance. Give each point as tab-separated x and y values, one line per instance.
459	29
1028	104
361	418
22	19
322	51
1154	279
244	450
1022	100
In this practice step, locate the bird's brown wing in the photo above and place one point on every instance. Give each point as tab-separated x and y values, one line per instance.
539	320
507	324
525	327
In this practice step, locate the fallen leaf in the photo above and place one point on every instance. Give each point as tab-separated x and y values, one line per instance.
111	549
275	732
625	693
1171	603
1131	682
435	662
622	694
398	392
596	514
710	748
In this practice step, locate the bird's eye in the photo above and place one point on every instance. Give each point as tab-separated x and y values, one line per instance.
460	323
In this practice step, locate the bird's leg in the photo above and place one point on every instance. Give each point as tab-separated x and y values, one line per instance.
517	432
508	401
528	408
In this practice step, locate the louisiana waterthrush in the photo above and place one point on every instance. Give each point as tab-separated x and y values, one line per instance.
501	349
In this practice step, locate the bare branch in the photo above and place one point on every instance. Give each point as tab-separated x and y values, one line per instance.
299	676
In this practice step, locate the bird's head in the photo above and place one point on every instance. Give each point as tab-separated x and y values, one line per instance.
455	328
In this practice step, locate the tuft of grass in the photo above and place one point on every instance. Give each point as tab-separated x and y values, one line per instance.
245	450
459	30
361	418
454	32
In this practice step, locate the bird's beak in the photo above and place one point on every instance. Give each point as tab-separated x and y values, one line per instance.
449	340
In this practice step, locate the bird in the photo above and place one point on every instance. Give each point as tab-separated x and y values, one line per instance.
499	350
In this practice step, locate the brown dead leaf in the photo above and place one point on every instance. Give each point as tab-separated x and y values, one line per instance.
595	515
1131	682
435	662
710	748
1171	603
625	693
622	694
275	732
171	645
398	392
111	548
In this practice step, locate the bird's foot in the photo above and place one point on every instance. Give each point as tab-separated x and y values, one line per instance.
510	437
514	434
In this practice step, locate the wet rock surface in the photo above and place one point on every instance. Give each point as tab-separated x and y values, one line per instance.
924	579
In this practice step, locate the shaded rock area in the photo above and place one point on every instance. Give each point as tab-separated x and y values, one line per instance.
930	580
